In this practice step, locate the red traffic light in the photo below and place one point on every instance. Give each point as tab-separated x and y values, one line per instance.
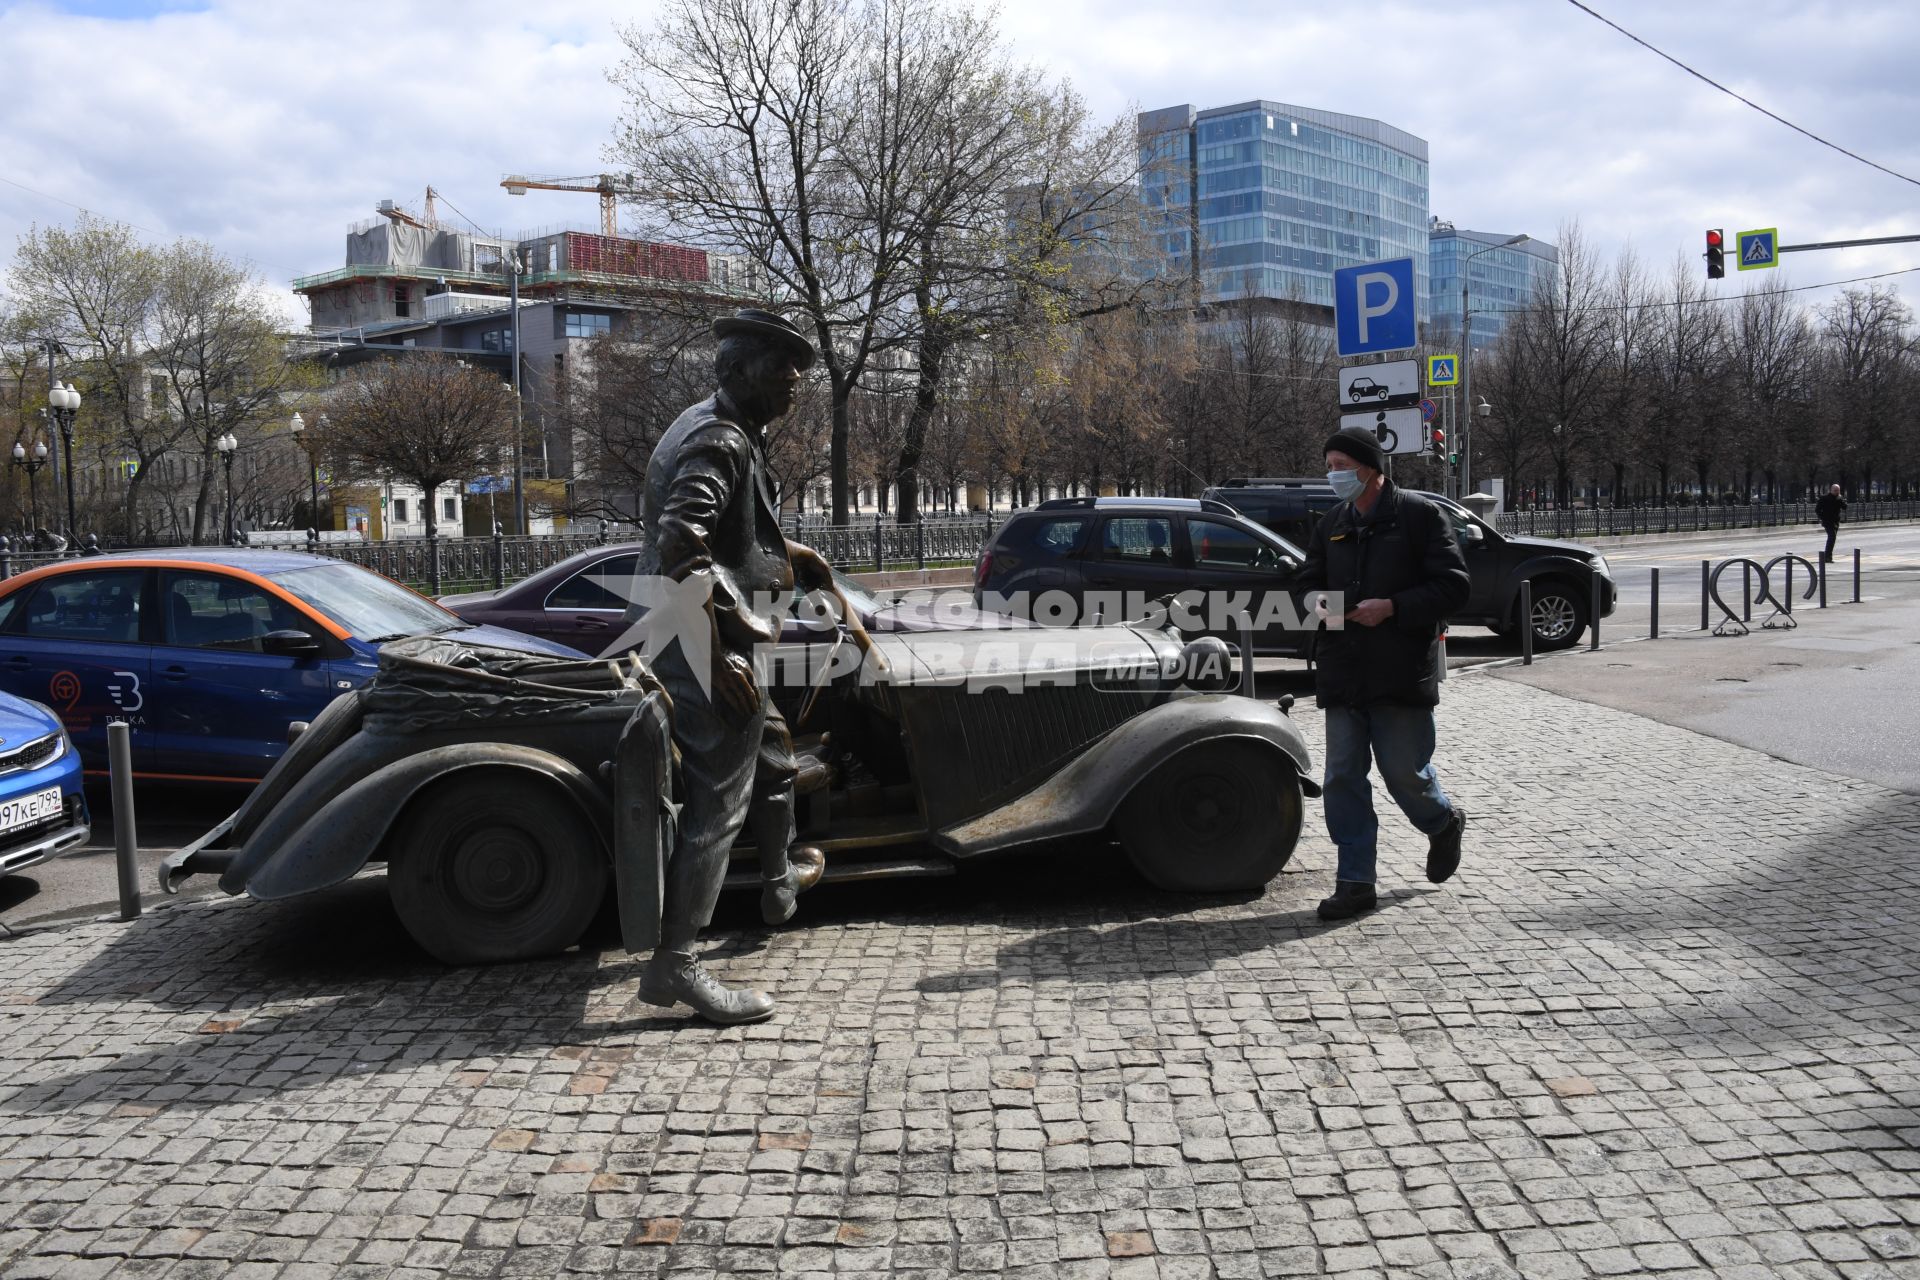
1713	237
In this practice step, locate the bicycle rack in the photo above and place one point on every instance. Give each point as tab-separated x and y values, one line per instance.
1782	616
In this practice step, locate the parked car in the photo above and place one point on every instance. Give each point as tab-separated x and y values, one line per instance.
43	808
207	653
580	601
499	816
1562	573
1092	550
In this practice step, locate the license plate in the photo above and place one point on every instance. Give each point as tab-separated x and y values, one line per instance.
24	811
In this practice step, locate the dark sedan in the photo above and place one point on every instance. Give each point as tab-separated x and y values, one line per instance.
579	601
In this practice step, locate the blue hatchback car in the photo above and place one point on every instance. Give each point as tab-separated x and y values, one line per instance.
43	809
208	654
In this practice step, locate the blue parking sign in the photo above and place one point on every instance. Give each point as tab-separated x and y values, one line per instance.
1373	307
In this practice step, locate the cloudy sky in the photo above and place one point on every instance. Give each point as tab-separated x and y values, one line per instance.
267	126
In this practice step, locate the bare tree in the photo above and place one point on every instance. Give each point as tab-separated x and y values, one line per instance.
214	350
1559	342
92	289
428	420
1867	356
745	124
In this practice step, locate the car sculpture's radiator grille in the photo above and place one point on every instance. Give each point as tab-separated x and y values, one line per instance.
976	751
31	756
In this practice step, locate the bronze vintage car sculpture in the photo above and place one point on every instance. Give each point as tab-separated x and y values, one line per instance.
508	794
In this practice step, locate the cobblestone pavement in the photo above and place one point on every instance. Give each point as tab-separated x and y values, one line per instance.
1664	1021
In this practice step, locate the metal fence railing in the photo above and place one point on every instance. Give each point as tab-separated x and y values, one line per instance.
441	565
438	566
1603	522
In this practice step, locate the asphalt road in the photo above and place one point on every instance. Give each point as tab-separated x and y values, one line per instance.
1801	696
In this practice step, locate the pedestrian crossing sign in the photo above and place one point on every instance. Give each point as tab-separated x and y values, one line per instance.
1443	371
1758	249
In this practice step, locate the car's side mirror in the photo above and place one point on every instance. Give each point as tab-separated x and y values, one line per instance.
1288	564
289	644
1473	533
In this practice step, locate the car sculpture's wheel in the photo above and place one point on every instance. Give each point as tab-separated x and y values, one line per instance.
1217	818
1559	616
489	866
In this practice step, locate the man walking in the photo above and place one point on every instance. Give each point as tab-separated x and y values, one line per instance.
708	513
1393	558
1828	510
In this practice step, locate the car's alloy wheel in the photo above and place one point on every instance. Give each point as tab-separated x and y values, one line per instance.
1558	617
495	865
1218	817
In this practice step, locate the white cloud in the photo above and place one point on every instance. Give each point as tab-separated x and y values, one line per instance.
268	127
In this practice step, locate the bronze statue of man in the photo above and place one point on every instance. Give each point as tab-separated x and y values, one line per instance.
708	510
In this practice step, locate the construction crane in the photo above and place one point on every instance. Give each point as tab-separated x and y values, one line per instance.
605	185
431	222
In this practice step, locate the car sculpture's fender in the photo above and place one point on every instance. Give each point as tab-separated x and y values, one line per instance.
1083	796
339	838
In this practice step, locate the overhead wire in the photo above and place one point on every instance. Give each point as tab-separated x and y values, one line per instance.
1771	115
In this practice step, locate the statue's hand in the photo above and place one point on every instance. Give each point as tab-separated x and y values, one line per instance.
734	688
809	570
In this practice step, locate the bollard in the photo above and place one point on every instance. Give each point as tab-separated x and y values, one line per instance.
877	565
126	863
1823	584
6	560
1246	659
1653	623
499	560
1526	623
1856	575
1593	635
1706	593
920	540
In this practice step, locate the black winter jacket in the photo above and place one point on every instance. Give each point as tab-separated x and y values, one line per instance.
1402	550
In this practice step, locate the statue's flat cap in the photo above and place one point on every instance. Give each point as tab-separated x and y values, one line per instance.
776	329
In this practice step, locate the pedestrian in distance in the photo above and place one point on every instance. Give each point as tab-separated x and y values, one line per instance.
1392	556
1828	510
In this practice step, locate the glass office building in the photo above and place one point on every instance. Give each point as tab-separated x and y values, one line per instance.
1501	279
1273	198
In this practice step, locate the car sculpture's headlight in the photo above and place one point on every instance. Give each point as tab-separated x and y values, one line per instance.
1206	664
1600	567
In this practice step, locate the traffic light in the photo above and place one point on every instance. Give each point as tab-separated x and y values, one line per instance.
1716	255
1439	443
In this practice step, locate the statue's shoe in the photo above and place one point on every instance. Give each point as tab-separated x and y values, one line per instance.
675	977
779	894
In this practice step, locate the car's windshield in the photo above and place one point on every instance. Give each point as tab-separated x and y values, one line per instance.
369	606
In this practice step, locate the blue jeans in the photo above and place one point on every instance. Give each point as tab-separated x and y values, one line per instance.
1401	739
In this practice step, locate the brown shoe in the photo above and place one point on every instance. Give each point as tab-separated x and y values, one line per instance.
779	894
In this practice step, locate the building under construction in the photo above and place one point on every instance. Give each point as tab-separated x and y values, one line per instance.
411	283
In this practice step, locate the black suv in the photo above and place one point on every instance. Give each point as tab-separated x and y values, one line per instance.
1096	552
1562	573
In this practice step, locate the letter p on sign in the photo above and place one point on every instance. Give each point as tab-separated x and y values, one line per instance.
1373	307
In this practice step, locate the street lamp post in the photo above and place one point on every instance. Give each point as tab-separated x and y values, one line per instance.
313	467
63	402
1466	359
519	467
31	464
226	444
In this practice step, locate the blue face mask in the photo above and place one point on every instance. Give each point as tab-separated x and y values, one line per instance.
1347	485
